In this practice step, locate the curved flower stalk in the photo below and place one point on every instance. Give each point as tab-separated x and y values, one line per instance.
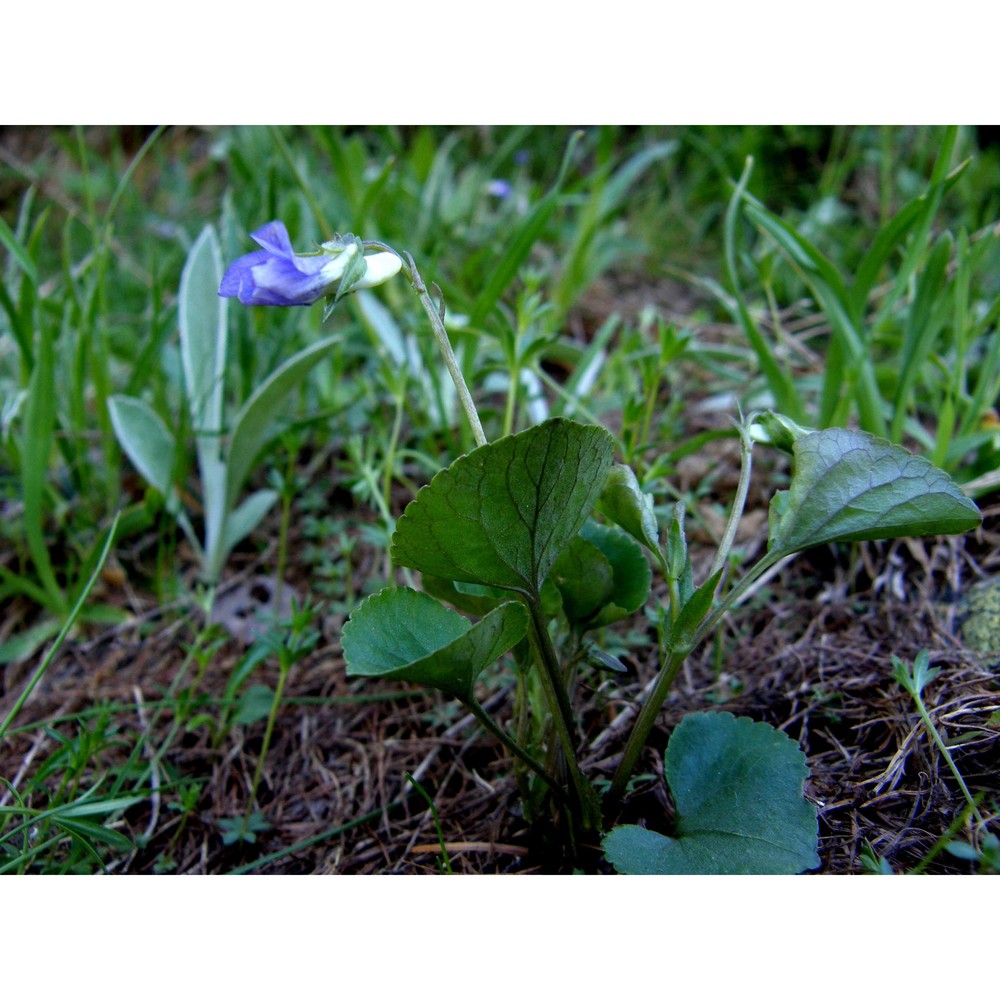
277	276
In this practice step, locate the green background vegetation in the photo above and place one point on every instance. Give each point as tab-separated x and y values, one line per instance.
619	276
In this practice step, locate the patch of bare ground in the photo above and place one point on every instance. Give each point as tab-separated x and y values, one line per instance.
813	658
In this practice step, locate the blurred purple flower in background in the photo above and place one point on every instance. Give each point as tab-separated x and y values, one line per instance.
499	188
276	276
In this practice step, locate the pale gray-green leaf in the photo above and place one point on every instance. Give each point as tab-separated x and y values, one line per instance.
254	424
240	522
145	439
202	321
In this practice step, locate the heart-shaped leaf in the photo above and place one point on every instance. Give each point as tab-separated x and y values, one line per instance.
737	785
500	515
849	486
409	636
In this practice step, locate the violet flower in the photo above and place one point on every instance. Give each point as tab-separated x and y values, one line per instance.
499	189
277	276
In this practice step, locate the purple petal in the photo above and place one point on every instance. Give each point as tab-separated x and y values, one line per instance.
274	238
275	276
277	281
238	273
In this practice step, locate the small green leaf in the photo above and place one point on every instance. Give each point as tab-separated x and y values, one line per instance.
630	574
585	579
678	562
737	785
409	636
500	515
850	486
237	829
916	679
623	501
692	613
254	704
601	660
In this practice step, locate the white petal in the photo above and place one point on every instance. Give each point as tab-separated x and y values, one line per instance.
334	270
381	267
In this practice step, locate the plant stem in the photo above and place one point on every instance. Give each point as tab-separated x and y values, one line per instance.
742	488
676	657
271	717
390	453
642	728
560	711
444	345
946	753
286	512
514	380
487	723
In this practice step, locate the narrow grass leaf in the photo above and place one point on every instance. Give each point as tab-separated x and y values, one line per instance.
36	451
18	252
922	327
857	376
778	379
519	246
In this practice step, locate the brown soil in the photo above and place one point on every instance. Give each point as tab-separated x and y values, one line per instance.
810	653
